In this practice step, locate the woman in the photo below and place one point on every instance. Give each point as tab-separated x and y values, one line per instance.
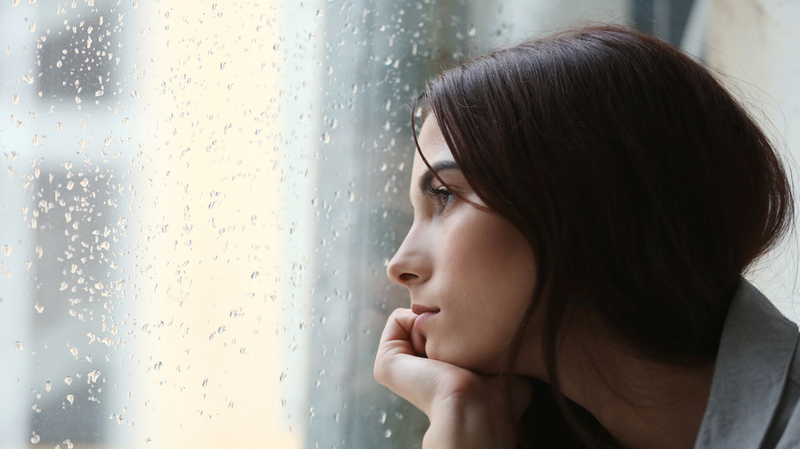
584	208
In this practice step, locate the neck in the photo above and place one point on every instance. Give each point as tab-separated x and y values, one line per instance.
643	404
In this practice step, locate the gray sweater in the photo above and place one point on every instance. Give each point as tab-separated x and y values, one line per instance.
756	384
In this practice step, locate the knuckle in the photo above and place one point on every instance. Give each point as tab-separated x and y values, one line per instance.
382	369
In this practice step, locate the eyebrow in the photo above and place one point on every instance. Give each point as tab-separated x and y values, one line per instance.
427	177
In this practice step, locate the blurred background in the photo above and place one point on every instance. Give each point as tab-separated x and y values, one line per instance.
198	202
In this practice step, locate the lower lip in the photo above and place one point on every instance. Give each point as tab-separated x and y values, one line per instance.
422	318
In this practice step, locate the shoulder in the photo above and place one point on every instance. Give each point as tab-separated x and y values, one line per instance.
785	431
756	384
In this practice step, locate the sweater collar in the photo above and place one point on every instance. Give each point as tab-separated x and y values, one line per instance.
751	369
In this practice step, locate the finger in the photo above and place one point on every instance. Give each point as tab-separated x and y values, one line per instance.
398	326
398	367
414	378
418	343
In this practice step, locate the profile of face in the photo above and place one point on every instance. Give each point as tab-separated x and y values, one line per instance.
471	270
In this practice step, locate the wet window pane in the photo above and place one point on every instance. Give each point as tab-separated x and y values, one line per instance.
197	205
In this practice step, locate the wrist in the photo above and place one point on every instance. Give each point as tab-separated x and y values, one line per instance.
458	422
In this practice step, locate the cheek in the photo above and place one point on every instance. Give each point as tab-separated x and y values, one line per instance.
489	274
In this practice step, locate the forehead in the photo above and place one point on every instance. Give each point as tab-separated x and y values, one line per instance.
433	146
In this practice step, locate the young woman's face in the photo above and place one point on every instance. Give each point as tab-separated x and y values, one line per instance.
471	269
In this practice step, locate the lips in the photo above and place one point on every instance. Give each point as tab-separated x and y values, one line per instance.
419	309
424	314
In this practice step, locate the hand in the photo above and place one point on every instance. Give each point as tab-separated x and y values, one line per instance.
466	410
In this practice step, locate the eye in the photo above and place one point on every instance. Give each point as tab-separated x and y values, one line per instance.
442	196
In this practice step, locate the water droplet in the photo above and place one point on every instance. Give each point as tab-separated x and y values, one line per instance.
205	382
18	346
74	351
95	374
6	250
71	398
35	439
47	386
77	100
14	99
254	275
59	64
135	94
471	31
383	418
59	126
14	2
158	366
32	26
384	167
222	66
38	308
388	60
388	433
68	380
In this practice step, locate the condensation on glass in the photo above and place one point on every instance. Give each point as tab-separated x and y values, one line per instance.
199	201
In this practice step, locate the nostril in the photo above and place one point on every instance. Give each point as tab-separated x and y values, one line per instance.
408	277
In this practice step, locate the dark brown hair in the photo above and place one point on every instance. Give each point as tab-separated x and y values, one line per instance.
644	189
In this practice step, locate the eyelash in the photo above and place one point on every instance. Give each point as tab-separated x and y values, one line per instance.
438	194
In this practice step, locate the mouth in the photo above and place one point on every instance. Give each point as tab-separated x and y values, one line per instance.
424	314
419	309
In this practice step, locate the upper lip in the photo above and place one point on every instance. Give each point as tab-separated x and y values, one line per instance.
419	309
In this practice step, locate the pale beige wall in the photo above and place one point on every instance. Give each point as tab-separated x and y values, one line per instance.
210	361
756	45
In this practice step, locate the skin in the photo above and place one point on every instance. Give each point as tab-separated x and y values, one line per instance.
477	270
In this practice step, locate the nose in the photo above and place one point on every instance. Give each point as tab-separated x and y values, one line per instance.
411	263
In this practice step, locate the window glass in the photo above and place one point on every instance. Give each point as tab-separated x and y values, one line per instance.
198	202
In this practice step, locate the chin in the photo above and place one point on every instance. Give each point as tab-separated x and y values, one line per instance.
489	367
